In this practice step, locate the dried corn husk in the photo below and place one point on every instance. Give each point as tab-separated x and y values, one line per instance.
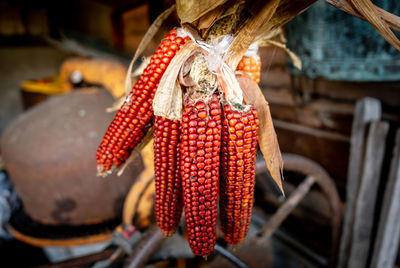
168	99
373	16
392	20
267	139
191	10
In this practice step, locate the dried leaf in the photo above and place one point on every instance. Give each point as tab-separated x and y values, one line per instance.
191	10
392	20
165	102
372	15
143	44
266	137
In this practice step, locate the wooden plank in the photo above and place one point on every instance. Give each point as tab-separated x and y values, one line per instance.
387	241
366	199
366	111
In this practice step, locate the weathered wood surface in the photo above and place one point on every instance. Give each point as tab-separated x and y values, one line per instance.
321	114
387	242
387	92
367	110
319	145
367	193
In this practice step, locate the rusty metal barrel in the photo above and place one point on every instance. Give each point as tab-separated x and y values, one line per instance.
49	153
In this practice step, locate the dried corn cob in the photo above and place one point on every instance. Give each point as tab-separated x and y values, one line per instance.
169	202
199	151
238	151
252	66
133	120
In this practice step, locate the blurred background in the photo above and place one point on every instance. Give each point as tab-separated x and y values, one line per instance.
63	63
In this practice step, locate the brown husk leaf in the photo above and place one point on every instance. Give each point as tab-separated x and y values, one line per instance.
392	20
267	138
191	10
373	16
206	21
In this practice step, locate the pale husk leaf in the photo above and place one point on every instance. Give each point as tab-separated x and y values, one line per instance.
230	86
169	102
267	138
295	59
168	99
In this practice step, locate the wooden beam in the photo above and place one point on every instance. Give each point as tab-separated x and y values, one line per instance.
387	240
366	199
367	110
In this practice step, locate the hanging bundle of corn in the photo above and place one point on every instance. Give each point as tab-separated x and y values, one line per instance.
208	119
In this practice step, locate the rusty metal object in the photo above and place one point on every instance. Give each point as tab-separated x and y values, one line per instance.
147	246
59	242
315	174
49	153
230	257
109	73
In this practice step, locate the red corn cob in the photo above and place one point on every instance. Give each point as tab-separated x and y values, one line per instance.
133	120
252	66
238	153
200	147
169	202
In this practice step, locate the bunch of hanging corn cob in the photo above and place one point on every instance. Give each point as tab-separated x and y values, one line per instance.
209	153
209	150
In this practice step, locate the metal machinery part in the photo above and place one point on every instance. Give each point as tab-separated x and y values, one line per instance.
152	238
